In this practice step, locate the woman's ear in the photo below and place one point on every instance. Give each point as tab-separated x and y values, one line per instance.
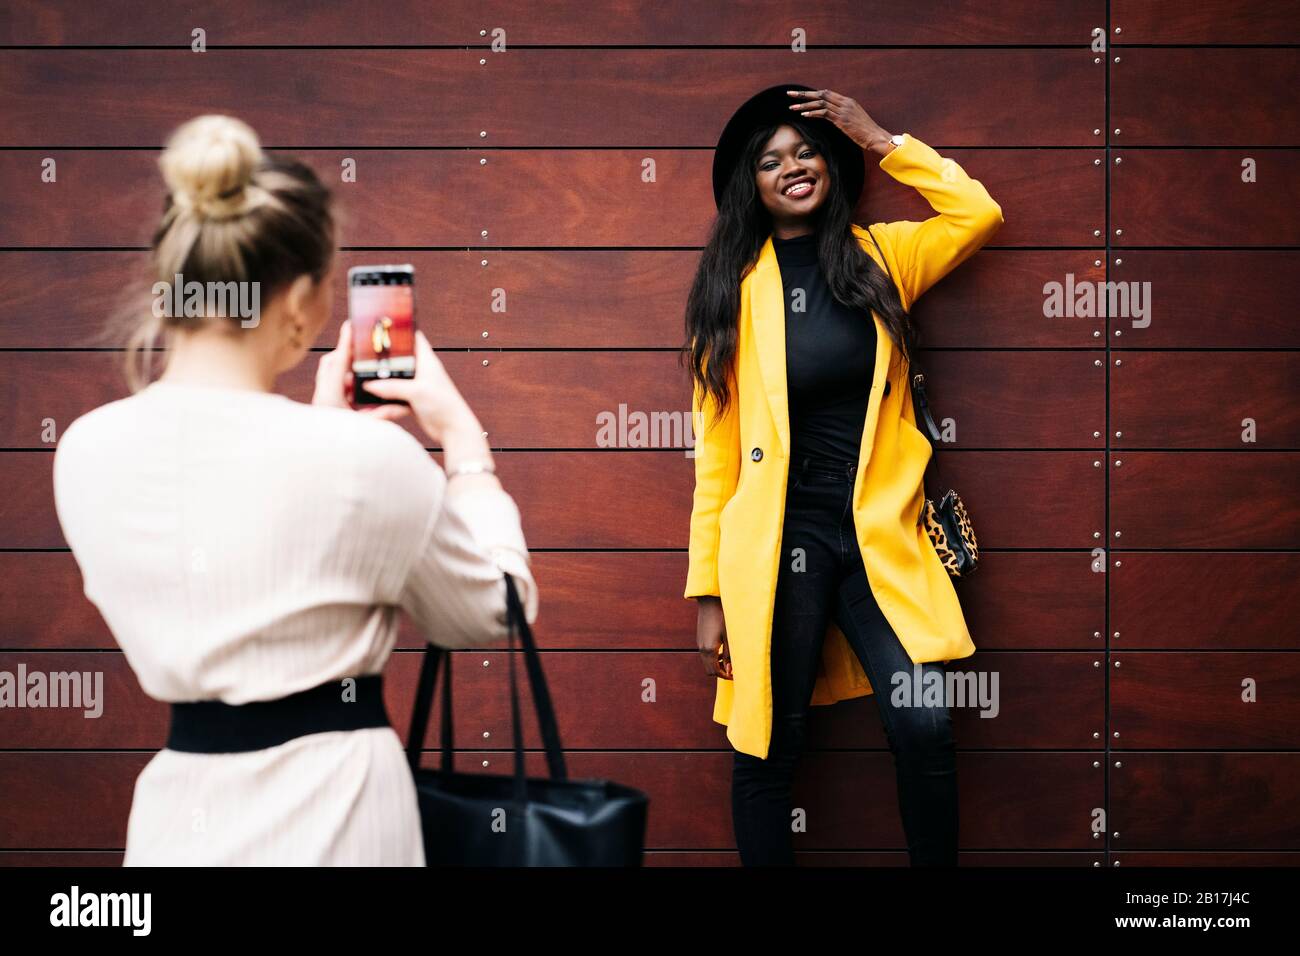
297	309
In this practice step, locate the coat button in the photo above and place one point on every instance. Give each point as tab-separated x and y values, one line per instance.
886	386
756	454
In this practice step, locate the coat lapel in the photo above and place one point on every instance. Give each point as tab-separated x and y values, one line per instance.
767	308
767	305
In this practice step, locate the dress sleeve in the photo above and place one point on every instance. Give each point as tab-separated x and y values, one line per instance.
454	589
966	218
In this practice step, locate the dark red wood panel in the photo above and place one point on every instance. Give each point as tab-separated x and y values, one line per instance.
616	399
576	299
561	22
605	600
1000	700
628	499
1016	801
1205	601
656	700
1219	298
399	198
1185	197
537	198
1203	700
1015	498
72	98
27	517
1204	499
1205	801
1039	600
642	499
43	605
61	858
996	300
75	801
803	858
606	298
1202	97
1192	858
1028	97
286	22
1048	197
119	98
1207	21
607	399
1202	399
593	600
1018	399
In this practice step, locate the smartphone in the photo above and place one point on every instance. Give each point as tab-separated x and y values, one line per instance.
381	308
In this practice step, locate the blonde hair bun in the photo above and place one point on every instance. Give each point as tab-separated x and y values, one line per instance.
209	165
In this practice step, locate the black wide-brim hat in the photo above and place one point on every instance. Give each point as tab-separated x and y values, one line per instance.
772	105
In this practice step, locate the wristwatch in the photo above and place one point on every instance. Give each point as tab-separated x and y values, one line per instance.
897	139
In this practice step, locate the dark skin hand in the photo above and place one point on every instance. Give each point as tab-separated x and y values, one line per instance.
847	114
711	637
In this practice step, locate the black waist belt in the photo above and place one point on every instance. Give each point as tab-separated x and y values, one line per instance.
215	727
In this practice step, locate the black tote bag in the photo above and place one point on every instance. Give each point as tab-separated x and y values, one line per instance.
477	819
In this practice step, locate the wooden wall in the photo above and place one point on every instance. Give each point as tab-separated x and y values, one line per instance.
1121	669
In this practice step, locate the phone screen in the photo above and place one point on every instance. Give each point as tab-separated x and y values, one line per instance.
381	308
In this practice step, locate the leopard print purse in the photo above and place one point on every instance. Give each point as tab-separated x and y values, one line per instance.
947	523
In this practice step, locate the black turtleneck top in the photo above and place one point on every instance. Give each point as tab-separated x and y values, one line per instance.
830	356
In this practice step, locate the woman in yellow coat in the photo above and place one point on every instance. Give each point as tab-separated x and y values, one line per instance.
812	576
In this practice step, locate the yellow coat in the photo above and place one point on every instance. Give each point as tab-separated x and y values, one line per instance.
736	520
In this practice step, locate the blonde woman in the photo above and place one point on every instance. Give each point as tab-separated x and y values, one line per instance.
250	553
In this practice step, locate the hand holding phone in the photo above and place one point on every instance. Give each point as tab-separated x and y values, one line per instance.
334	384
432	395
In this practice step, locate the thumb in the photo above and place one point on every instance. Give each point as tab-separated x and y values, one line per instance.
390	387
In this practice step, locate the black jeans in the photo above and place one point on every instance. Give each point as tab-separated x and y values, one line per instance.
822	576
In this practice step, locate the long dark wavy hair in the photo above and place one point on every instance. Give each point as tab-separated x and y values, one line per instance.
739	232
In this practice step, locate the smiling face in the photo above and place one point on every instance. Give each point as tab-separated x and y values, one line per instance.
792	179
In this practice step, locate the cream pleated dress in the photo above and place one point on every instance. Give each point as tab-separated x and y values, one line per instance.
242	546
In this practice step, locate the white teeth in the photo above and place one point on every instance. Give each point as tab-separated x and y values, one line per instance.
798	188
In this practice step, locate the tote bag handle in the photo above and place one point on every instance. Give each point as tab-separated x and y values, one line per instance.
434	656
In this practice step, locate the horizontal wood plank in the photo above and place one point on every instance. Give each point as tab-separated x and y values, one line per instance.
1200	97
657	700
1205	701
72	98
1204	499
1015	801
1222	801
1220	298
642	499
1183	197
1205	601
1208	21
632	600
592	198
1231	400
561	22
610	298
614	399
